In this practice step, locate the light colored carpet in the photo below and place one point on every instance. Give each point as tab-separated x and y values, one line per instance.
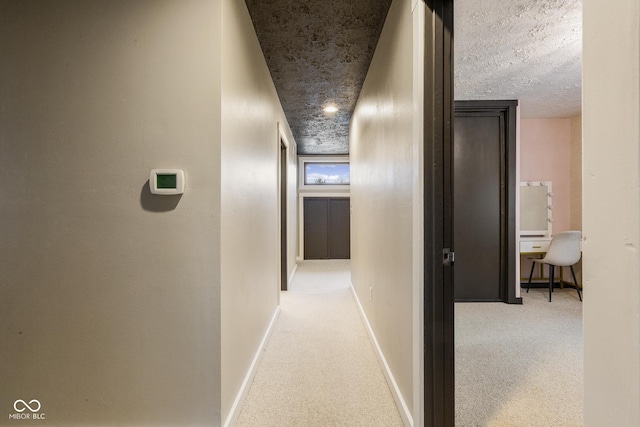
518	365
319	368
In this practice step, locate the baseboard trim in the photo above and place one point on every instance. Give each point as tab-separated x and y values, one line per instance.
293	273
406	415
232	418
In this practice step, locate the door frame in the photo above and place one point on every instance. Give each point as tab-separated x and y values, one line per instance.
282	202
283	180
507	111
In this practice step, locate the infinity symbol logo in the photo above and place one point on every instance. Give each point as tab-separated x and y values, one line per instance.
25	405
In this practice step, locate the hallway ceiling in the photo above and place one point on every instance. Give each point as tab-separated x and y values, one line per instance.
318	52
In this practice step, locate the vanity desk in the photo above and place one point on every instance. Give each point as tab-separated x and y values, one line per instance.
536	208
533	247
535	226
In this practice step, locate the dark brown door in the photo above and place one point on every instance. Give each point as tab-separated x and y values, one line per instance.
439	385
484	201
339	228
477	185
327	228
316	228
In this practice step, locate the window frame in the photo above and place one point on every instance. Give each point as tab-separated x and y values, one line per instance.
304	160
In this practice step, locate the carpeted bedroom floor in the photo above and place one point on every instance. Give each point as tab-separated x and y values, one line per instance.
520	365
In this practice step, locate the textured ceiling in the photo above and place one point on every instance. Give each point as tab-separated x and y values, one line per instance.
319	51
529	50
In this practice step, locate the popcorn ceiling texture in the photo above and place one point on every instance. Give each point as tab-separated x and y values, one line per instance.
318	52
529	50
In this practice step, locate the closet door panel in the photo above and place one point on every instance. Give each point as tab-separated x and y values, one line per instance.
340	228
327	228
316	228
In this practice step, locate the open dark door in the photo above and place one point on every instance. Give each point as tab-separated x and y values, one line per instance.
439	394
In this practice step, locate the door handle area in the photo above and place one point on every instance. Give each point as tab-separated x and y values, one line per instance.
448	257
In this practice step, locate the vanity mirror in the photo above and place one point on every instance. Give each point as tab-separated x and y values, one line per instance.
536	209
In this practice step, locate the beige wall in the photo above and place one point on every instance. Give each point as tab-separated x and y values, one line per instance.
251	112
382	196
611	213
109	297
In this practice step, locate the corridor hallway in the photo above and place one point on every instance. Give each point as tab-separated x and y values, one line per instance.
319	367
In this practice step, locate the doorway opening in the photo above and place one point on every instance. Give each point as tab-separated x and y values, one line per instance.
511	349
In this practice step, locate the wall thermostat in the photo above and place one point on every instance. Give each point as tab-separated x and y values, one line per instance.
166	181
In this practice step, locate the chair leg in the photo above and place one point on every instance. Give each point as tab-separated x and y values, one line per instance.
533	265
576	282
551	268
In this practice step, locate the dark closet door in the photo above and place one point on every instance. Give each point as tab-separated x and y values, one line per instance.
339	228
477	178
327	228
316	228
484	201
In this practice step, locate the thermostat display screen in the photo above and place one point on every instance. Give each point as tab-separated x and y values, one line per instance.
167	180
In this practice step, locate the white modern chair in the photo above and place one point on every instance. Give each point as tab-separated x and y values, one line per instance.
564	251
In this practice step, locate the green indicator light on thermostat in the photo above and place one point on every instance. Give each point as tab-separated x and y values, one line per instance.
167	181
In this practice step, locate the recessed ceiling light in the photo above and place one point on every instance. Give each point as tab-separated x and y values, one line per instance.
331	108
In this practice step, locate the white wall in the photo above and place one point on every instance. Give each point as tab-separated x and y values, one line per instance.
109	297
250	261
611	213
382	173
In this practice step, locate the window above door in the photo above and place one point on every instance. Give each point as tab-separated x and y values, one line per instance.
324	173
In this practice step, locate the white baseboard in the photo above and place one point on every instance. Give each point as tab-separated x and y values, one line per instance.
406	415
232	418
293	273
